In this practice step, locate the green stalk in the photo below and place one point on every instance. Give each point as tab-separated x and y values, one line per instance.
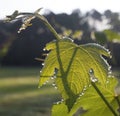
104	99
44	20
118	101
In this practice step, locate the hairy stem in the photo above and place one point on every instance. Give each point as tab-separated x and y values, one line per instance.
41	17
118	101
44	20
104	99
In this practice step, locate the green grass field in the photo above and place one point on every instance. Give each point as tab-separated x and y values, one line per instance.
20	96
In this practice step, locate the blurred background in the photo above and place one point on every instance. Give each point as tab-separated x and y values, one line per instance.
84	21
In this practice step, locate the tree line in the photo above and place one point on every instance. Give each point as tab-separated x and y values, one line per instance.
23	49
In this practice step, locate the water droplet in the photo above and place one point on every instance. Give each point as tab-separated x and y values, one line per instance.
39	87
55	87
53	84
58	102
105	61
89	85
112	76
82	93
55	73
107	81
110	56
85	86
109	52
75	102
52	78
107	49
43	64
110	72
67	38
84	89
44	83
92	77
109	68
44	49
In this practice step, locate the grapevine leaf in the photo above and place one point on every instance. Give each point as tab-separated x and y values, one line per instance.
73	63
60	110
112	35
92	102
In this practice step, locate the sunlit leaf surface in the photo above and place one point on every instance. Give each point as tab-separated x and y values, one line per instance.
92	102
60	110
73	63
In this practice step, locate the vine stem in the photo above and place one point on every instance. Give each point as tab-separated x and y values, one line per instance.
118	101
104	99
36	14
48	25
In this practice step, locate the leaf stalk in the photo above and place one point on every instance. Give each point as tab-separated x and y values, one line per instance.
104	99
48	25
118	101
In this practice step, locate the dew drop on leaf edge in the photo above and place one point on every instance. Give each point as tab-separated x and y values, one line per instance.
53	84
107	81
52	78
69	39
44	49
55	87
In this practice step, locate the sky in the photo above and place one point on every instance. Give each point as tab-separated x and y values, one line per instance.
7	7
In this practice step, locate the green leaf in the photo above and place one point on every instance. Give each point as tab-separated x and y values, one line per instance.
93	103
112	35
73	63
101	38
60	110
